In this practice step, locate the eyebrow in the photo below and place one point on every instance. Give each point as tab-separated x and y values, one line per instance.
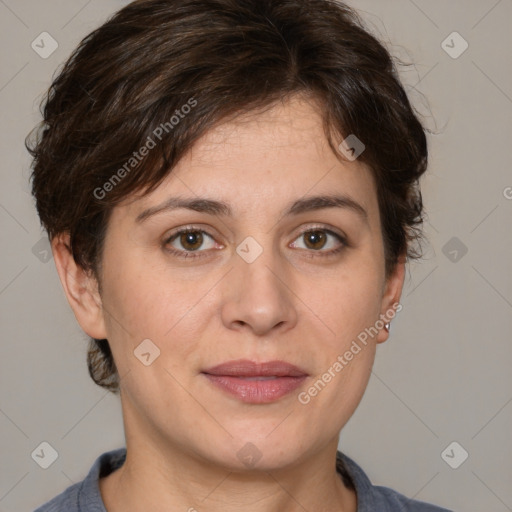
219	208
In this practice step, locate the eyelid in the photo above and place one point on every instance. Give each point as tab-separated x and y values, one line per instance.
212	233
323	227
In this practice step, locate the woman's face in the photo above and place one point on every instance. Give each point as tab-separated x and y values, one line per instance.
251	284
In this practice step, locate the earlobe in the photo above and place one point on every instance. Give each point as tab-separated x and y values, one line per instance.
80	287
391	298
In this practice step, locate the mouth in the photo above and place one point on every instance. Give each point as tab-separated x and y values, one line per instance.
256	383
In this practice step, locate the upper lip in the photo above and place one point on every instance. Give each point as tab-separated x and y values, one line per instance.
248	368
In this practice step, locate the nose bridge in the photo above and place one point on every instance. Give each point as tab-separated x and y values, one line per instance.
259	295
258	269
262	274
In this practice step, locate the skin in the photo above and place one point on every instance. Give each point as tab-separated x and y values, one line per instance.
291	303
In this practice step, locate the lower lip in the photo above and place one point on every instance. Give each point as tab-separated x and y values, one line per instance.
256	391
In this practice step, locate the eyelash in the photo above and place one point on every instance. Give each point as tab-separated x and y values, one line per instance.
199	254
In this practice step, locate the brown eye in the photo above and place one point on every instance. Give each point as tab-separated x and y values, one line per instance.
315	239
190	240
322	241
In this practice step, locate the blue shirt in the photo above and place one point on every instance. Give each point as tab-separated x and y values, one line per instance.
85	496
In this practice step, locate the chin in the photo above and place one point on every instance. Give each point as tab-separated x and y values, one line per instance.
243	453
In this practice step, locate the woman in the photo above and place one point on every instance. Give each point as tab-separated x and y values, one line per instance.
231	193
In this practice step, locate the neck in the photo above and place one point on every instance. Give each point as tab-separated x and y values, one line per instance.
158	475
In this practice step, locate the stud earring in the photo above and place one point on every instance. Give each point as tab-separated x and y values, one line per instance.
387	326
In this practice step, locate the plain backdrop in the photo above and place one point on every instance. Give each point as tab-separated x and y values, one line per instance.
444	375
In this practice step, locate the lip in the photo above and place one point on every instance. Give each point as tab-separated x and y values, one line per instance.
248	368
239	378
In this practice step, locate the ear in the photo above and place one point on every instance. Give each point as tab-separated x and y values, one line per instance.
391	296
80	287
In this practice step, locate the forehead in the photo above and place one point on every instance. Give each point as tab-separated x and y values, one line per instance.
260	162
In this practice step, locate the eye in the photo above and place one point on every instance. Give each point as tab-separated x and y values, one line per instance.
320	239
189	240
192	242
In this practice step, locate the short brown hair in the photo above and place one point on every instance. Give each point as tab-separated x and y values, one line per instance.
133	76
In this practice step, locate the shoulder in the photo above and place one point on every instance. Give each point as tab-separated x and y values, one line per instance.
374	497
85	496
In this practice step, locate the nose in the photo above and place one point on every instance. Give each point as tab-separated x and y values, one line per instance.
259	296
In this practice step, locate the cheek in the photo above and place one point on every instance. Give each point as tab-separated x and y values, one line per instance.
348	381
346	359
349	309
141	303
348	304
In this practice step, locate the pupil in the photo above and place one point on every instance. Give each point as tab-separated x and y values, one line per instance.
315	239
192	240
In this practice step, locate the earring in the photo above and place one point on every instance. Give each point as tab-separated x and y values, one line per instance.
387	326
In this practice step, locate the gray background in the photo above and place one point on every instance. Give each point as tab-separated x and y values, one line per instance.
443	376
